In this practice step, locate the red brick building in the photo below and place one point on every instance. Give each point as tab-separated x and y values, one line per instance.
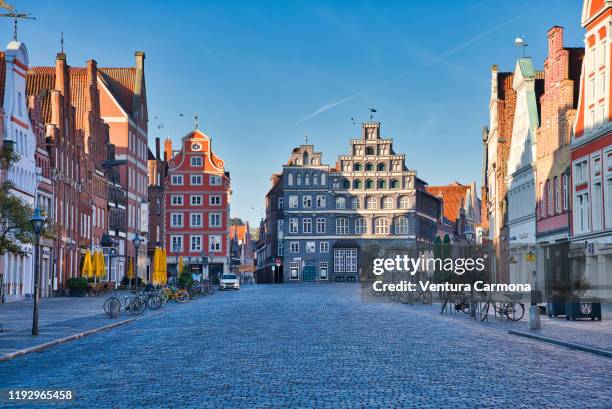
123	106
197	205
158	171
52	85
558	110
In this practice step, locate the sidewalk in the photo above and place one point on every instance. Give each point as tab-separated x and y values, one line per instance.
593	334
60	317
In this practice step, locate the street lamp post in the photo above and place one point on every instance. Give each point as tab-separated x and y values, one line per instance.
204	264
176	256
37	222
469	235
136	240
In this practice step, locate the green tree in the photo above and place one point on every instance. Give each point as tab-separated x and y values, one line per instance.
236	221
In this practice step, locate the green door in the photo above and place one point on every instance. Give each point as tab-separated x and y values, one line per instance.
309	273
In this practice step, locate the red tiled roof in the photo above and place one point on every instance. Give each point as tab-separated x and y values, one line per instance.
238	230
453	196
120	82
39	82
78	97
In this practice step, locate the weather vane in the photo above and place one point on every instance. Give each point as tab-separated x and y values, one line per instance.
197	121
15	15
520	42
62	42
372	110
306	138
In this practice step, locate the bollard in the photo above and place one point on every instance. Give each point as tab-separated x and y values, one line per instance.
534	310
114	308
534	317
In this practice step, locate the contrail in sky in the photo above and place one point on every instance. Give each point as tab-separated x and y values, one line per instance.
431	62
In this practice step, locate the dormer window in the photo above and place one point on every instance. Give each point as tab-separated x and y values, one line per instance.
196	161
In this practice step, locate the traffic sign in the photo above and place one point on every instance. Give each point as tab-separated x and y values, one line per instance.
278	261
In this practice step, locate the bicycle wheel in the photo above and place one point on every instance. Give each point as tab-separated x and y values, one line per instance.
154	302
484	312
182	296
515	311
137	305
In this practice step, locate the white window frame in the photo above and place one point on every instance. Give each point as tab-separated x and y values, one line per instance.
311	247
294	270
307	225
361	228
323	247
321	224
214	243
179	216
293	225
323	267
191	217
174	240
192	199
214	198
212	216
307	201
194	177
293	202
176	200
177	180
342	226
294	247
192	240
215	180
194	159
321	201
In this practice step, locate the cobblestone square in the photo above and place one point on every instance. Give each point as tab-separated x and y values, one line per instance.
311	345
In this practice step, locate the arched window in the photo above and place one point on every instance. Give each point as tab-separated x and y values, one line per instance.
388	202
381	226
340	203
298	179
382	167
358	167
369	167
369	150
404	202
369	184
305	159
315	178
401	225
355	203
313	161
323	179
357	184
372	203
382	184
394	184
361	226
307	179
290	179
346	184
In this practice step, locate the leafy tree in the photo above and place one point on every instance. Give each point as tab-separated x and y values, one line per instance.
236	221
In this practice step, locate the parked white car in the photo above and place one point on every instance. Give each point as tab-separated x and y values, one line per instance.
229	281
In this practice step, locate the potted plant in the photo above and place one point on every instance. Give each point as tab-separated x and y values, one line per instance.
77	286
579	306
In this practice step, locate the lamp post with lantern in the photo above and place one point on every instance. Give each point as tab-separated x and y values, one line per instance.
37	221
469	235
136	240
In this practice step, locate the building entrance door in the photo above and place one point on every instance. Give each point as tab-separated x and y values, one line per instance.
309	273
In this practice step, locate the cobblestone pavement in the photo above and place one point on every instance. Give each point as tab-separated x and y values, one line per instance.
311	346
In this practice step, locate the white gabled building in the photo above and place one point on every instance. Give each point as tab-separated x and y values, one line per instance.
18	268
520	181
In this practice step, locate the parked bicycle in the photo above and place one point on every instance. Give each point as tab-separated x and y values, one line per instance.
133	303
512	308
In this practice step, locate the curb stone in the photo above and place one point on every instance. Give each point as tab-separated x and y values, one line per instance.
38	348
572	345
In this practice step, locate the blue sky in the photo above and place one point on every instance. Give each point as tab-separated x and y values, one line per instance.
254	70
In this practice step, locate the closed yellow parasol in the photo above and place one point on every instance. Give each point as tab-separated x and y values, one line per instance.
87	270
